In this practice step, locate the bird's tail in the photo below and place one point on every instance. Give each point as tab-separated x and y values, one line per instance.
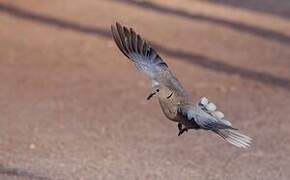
234	137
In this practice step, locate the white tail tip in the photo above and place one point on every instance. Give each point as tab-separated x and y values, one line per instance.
235	138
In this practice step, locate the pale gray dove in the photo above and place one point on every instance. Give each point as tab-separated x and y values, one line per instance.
175	102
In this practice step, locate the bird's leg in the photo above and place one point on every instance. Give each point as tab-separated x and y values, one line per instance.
179	126
181	130
151	95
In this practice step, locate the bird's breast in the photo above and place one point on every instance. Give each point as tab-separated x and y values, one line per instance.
169	109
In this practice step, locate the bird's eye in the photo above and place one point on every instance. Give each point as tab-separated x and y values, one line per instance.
157	90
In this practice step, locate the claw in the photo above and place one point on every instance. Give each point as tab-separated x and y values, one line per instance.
181	130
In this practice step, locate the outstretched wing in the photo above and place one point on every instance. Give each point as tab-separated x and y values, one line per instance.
138	50
198	117
208	117
208	122
205	116
202	118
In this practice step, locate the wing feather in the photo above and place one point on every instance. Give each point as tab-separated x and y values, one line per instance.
209	122
202	118
134	47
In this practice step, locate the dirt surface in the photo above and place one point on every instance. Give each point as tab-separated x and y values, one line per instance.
73	107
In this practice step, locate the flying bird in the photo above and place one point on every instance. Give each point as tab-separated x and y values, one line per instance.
175	102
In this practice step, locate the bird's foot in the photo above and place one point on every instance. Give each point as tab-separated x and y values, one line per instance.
181	130
179	126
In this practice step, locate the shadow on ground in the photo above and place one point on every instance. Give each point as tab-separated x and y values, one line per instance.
196	59
257	31
20	173
272	7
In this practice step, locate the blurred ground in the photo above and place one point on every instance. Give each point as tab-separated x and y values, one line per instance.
72	107
279	8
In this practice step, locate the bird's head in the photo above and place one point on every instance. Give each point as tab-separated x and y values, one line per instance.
161	91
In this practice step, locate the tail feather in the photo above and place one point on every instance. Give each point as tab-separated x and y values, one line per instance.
234	137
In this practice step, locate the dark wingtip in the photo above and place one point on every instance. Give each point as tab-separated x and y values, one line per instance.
114	25
112	29
116	34
128	41
118	25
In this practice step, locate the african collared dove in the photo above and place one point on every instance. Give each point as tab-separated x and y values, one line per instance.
175	102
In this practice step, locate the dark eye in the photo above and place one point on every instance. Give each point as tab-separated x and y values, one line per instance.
157	90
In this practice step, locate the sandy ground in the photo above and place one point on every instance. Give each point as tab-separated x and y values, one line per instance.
72	107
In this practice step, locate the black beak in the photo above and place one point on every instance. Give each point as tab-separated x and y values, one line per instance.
151	95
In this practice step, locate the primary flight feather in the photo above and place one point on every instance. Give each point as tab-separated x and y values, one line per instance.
174	101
